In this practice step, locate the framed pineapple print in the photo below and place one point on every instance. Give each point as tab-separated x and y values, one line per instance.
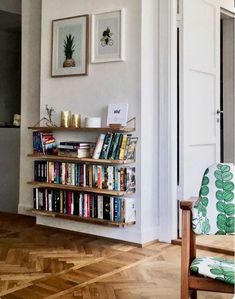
70	38
107	41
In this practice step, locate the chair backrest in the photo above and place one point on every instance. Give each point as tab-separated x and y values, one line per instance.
214	212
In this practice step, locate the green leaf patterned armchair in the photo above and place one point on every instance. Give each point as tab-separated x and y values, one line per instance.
212	213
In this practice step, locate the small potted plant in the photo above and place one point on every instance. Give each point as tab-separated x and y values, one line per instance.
68	51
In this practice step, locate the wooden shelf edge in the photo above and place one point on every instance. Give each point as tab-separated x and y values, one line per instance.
104	129
81	189
85	160
80	219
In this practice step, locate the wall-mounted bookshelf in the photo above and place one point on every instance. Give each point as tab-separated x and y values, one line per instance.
81	219
79	189
94	130
82	160
118	203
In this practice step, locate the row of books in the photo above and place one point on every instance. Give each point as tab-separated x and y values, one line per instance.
121	210
44	143
116	178
115	146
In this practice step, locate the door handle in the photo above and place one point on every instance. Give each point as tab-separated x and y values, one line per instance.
219	112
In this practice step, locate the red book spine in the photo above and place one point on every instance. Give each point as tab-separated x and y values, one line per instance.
69	202
88	205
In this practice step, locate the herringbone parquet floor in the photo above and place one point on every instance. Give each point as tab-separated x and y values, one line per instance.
38	262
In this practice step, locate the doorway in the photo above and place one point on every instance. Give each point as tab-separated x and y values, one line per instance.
227	77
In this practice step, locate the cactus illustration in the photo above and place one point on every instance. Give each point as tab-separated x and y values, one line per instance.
201	221
225	195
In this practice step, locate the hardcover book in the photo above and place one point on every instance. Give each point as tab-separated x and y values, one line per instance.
123	147
98	146
106	146
106	208
130	148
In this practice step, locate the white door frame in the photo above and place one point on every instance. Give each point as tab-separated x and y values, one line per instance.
167	120
167	159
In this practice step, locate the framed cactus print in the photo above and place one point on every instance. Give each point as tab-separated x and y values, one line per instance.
107	42
70	38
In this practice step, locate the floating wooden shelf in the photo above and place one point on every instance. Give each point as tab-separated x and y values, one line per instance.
80	219
99	130
80	189
82	160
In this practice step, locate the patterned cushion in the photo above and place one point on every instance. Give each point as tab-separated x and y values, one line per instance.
215	268
214	212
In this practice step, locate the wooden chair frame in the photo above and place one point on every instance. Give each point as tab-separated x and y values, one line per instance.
190	282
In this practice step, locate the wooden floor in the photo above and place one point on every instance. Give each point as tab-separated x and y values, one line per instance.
38	262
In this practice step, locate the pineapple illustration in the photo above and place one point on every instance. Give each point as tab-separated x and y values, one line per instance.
68	51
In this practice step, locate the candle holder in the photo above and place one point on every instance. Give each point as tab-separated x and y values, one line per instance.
76	121
65	120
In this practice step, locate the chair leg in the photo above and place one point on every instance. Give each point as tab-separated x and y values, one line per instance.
185	293
194	294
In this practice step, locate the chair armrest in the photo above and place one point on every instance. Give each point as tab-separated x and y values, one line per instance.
188	204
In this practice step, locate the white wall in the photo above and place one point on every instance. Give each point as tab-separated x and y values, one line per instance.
227	4
31	23
13	6
132	81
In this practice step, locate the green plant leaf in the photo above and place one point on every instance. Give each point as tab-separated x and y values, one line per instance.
194	269
220	206
205	180
218	175
216	271
229	280
204	191
230	229
219	184
206	227
224	168
222	218
230	221
229	209
221	225
203	211
228	186
219	232
204	201
227	176
228	196
219	195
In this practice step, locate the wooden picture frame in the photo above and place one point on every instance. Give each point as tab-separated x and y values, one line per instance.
70	42
107	40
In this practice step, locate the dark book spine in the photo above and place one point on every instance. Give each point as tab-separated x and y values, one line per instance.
106	208
111	146
95	206
76	203
106	146
115	145
65	202
34	198
118	147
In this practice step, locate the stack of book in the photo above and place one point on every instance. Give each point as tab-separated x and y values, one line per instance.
76	149
121	210
44	143
115	146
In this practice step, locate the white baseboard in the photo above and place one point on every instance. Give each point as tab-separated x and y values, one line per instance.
25	209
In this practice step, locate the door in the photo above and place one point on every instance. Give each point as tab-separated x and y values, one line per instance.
200	123
227	87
